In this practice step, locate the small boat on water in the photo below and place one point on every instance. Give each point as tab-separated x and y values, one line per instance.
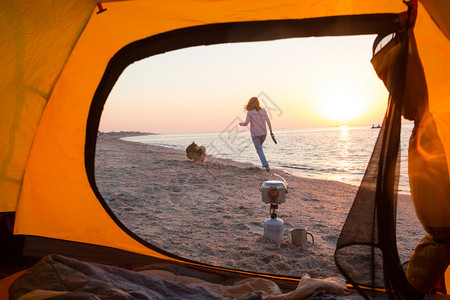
376	126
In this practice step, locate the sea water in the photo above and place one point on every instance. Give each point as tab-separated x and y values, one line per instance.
332	153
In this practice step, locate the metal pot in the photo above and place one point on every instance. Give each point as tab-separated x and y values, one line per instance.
273	191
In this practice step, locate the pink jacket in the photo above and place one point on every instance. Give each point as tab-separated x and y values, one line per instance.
257	121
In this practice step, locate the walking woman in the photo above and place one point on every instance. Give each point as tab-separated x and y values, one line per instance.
257	117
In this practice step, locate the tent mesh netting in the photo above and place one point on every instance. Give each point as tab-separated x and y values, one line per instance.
366	251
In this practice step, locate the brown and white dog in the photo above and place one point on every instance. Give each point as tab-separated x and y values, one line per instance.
196	153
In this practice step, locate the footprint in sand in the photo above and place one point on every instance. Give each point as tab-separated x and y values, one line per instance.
310	199
330	238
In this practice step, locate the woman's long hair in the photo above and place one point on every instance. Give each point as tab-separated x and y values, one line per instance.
252	104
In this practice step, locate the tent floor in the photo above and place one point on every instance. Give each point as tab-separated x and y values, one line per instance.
14	265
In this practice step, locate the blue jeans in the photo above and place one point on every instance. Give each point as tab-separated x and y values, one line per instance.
258	142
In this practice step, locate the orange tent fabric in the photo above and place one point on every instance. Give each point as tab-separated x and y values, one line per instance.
54	54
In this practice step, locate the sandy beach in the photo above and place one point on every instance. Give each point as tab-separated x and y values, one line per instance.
213	212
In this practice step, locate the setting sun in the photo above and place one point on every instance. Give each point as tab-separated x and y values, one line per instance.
342	100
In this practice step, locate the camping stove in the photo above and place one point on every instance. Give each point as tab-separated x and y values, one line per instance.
274	192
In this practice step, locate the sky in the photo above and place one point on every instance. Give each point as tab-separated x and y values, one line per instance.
302	82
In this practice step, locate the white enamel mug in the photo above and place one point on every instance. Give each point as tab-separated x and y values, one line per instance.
300	238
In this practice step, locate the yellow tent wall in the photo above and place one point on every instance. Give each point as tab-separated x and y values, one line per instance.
433	210
35	43
434	49
52	58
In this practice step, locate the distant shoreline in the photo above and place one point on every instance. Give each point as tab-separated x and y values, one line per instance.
131	132
125	133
